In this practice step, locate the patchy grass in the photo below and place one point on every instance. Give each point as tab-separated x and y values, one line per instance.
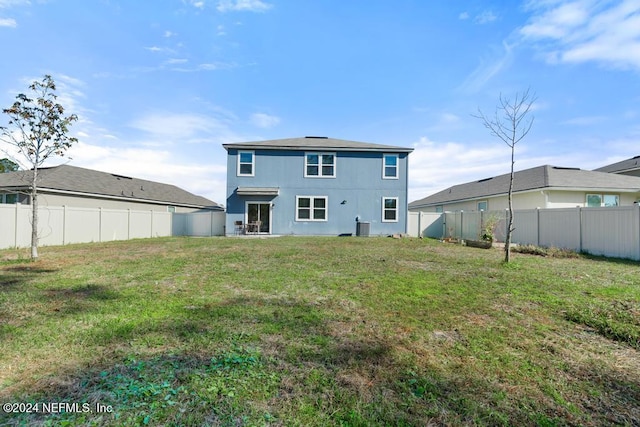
317	331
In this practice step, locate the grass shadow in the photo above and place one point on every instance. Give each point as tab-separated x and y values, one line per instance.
13	276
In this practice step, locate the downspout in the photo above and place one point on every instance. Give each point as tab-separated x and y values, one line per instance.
406	198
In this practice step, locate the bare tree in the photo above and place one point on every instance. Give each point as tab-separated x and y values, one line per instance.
37	130
510	123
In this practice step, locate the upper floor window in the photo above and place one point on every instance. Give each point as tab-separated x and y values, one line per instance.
482	205
389	209
246	163
390	166
320	165
605	200
309	208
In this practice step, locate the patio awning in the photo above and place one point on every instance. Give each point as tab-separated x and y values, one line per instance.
257	191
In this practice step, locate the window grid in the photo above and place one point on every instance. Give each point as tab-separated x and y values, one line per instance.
319	165
311	208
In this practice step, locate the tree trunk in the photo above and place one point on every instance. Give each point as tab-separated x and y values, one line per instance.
507	240
34	215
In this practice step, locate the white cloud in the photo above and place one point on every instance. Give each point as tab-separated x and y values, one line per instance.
435	166
586	30
198	4
243	6
181	127
8	22
207	178
263	120
168	34
174	61
585	121
489	67
5	4
485	17
463	16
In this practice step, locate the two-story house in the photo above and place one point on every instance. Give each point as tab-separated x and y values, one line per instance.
316	186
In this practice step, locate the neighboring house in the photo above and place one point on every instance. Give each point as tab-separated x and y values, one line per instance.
79	187
626	167
540	187
316	186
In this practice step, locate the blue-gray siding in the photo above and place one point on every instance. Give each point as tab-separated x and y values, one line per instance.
358	183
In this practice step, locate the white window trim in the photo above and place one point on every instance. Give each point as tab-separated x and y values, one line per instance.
320	175
384	209
384	166
311	219
253	163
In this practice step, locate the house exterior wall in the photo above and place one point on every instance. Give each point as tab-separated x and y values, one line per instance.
50	199
356	191
552	199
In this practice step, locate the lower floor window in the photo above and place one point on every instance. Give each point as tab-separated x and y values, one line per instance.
389	209
311	208
606	200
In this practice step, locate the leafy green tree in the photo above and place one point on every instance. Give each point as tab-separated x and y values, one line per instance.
7	165
511	123
37	130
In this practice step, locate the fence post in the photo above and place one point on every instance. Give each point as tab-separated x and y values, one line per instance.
538	226
15	234
580	228
128	224
64	225
637	205
100	224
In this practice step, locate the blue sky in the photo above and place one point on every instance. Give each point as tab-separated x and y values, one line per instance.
159	86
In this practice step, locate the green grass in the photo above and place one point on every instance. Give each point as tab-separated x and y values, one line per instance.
316	332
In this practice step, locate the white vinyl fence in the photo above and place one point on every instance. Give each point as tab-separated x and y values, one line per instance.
201	224
610	231
60	225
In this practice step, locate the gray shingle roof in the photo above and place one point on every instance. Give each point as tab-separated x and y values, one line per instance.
532	179
316	143
94	183
625	165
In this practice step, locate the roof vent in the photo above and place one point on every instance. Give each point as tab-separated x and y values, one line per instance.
486	179
565	169
121	176
317	137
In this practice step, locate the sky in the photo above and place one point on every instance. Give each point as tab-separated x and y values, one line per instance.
159	86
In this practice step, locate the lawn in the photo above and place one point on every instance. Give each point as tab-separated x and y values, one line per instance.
328	331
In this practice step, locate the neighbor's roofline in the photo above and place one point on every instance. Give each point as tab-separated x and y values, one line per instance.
109	197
